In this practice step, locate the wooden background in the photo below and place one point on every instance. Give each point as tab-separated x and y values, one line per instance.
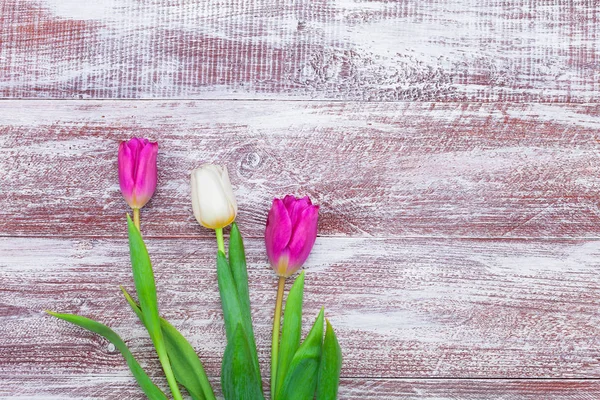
453	146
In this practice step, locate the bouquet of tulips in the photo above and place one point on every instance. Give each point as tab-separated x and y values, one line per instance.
299	369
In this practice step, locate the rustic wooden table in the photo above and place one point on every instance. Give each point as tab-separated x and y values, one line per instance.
452	146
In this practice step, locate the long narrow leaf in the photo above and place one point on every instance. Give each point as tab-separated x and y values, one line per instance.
330	367
237	382
300	382
149	388
232	311
292	329
145	286
237	263
187	367
233	316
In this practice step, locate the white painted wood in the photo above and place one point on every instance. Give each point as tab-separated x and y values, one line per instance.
458	238
382	169
87	387
465	50
421	308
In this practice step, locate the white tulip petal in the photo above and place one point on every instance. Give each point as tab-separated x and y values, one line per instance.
217	169
228	189
212	197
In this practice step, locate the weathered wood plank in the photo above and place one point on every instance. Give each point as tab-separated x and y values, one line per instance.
381	169
421	308
346	49
97	387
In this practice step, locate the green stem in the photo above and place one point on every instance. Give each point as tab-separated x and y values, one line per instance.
164	360
220	242
136	218
275	342
161	350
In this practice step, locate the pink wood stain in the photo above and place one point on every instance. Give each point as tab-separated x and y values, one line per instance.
453	147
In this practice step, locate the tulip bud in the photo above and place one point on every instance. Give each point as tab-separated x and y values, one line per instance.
213	201
137	171
290	233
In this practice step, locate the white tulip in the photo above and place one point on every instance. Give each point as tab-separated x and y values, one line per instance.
213	201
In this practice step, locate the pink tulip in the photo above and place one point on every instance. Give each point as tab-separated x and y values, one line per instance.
291	233
137	171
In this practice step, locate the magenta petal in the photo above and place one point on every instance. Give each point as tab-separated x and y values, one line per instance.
135	146
277	232
137	171
126	163
145	183
288	200
303	237
296	208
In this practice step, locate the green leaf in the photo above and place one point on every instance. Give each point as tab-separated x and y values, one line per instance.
233	315
144	285
133	304
149	388
232	311
187	367
237	382
300	382
330	367
237	262
146	291
292	329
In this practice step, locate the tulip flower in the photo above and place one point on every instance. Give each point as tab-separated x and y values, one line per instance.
137	172
213	201
290	233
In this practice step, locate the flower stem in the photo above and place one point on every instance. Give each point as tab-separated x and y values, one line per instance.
160	346
164	360
220	242
136	218
275	342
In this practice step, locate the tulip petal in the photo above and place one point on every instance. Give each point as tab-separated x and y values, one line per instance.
278	231
135	145
288	200
126	162
146	174
228	189
303	238
210	204
296	207
137	170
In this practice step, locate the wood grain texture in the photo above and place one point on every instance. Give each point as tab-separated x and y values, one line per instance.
382	169
440	50
88	387
419	308
452	147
